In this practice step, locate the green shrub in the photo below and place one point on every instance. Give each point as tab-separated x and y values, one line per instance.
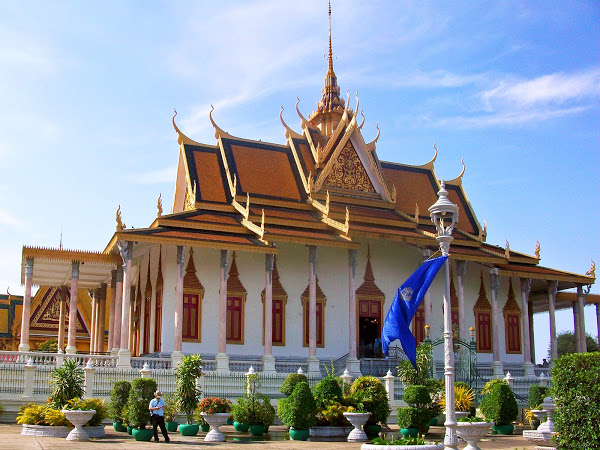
290	383
66	382
463	384
331	414
370	393
89	404
48	346
142	391
298	411
489	386
576	392
45	415
186	391
254	408
327	389
118	400
171	408
500	405
413	417
537	394
416	395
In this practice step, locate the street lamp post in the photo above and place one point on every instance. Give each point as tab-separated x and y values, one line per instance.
444	215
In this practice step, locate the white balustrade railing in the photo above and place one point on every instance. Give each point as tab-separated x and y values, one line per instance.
39	358
138	362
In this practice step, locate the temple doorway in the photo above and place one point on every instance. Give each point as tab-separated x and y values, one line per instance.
369	328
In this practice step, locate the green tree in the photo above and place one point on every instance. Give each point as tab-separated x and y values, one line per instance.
565	344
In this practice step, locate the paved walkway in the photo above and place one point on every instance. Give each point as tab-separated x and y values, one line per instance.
10	438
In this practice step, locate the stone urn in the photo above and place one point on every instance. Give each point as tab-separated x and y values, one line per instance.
543	435
215	421
357	420
472	432
78	418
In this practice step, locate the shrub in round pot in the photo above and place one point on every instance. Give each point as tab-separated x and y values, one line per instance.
215	411
170	410
370	395
118	400
298	411
290	382
142	391
188	395
500	407
414	419
253	411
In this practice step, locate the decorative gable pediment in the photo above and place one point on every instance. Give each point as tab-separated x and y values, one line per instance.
347	172
45	317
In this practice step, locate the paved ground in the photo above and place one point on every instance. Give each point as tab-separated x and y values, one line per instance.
10	438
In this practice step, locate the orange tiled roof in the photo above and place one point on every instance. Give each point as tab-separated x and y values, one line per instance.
207	171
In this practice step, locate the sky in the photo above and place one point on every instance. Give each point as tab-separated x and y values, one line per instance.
87	92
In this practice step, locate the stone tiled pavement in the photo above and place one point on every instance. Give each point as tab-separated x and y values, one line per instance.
10	438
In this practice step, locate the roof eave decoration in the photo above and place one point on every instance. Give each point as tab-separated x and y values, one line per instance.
324	209
182	138
289	133
245	212
55	254
219	133
120	225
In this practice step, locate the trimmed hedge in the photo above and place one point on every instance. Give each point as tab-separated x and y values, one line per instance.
298	411
500	405
327	389
537	394
576	392
290	382
370	392
118	400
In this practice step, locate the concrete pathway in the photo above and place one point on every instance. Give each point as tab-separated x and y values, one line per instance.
10	438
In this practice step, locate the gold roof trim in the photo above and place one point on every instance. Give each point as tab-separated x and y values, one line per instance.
289	133
182	139
458	180
55	254
219	133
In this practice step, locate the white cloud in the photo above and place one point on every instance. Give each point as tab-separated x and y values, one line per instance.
165	175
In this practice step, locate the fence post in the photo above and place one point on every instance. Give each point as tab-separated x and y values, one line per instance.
389	385
509	379
346	377
200	385
60	357
145	371
29	374
250	372
89	378
543	380
300	371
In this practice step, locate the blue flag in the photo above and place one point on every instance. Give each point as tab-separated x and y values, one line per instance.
405	305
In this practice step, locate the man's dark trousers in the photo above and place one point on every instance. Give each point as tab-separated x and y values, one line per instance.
159	421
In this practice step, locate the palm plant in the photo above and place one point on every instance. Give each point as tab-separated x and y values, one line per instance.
66	383
188	394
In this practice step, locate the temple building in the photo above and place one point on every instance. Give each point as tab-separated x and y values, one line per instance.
294	251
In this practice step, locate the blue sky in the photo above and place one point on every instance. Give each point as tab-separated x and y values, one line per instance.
87	91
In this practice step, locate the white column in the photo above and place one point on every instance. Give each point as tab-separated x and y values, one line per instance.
177	354
581	303
93	321
116	345
497	366
312	360
25	316
101	316
111	312
352	363
461	271
576	330
61	319
427	297
527	363
126	249
268	360
552	288
222	360
72	338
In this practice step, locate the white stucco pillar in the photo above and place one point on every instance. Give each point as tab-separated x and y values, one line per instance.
532	336
312	360
268	359
60	344
101	319
111	310
126	249
24	344
461	271
222	360
528	366
352	363
116	344
72	337
94	324
581	306
552	288
497	366
177	354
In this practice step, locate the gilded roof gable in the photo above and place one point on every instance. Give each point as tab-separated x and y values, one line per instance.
511	303
482	303
348	172
234	285
369	288
190	279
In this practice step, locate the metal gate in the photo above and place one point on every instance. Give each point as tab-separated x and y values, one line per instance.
465	359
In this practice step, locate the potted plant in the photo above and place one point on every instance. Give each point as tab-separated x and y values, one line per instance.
331	406
371	394
287	387
93	427
253	409
472	430
118	400
142	391
215	412
414	419
66	383
170	410
298	411
500	407
536	397
188	394
463	400
42	420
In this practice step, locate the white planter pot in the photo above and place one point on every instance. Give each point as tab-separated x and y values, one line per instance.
44	431
95	432
472	432
357	420
215	421
401	447
326	432
78	418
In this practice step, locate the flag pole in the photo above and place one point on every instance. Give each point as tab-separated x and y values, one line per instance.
444	215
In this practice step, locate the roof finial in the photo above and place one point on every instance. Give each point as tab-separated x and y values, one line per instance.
330	51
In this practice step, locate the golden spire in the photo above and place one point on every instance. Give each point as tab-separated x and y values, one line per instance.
330	68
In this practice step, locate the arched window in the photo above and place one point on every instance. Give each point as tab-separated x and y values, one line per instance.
512	322
236	299
483	321
193	293
321	302
279	301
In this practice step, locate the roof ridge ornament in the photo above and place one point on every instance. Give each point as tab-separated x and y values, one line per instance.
120	225
371	145
159	206
219	133
538	247
507	250
592	270
363	118
289	133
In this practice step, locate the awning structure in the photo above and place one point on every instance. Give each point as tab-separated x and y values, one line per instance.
52	266
564	300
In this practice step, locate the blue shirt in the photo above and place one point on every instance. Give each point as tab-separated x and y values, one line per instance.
157	403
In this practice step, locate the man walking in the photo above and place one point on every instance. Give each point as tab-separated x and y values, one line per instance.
157	413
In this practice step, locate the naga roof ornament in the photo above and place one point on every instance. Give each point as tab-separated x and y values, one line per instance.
120	224
159	206
538	247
